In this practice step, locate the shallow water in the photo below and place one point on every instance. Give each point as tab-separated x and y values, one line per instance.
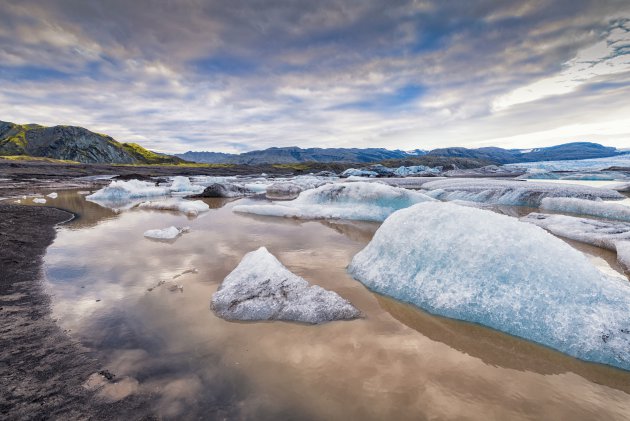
396	363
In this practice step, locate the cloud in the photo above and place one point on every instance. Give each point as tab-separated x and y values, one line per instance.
246	75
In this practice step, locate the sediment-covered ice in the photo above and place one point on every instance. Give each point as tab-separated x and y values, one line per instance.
358	200
169	233
226	190
512	192
261	288
620	187
189	207
283	191
476	265
597	208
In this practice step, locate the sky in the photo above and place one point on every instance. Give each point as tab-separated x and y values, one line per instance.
233	76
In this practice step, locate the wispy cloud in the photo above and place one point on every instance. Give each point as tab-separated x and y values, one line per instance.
233	76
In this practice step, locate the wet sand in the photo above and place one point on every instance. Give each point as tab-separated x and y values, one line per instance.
41	368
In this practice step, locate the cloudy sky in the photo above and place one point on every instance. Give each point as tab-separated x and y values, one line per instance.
238	75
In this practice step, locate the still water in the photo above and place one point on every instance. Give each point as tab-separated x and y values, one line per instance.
396	363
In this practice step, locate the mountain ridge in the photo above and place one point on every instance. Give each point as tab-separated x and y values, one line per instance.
74	143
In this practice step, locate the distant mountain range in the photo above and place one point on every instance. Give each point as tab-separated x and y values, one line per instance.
289	155
292	155
74	144
82	145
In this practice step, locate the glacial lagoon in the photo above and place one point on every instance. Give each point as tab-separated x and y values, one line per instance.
143	306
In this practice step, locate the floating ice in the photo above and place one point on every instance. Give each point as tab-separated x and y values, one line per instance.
476	265
125	190
358	200
417	170
512	192
487	171
189	207
261	288
606	234
40	200
224	190
169	233
53	195
587	207
283	191
358	173
182	185
408	182
620	187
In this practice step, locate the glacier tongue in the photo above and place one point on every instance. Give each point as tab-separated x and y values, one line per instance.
356	200
261	288
512	192
486	268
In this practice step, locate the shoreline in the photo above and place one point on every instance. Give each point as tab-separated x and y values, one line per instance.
42	369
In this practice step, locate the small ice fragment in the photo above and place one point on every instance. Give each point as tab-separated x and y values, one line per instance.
39	200
169	233
53	195
189	207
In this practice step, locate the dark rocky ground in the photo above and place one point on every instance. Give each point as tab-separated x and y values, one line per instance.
42	370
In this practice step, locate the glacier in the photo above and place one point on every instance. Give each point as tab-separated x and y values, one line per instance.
482	267
594	164
356	200
600	209
512	192
611	235
261	288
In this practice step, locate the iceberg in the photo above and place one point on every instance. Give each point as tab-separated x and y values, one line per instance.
189	207
487	171
182	185
620	187
261	288
475	265
126	190
169	233
600	209
512	192
418	170
357	200
224	190
354	172
283	191
605	234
